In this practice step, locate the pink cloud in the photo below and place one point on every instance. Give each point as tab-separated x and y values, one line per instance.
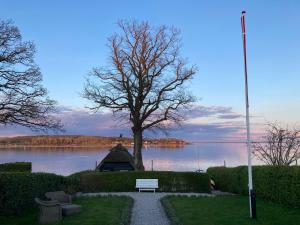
226	126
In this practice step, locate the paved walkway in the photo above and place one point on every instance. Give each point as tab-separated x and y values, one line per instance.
147	209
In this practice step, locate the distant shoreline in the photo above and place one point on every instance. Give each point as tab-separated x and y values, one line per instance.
77	141
87	146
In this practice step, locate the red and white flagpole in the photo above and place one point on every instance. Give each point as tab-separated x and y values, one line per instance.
252	202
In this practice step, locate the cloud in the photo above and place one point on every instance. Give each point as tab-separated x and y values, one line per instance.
100	123
221	112
209	132
77	122
224	126
230	116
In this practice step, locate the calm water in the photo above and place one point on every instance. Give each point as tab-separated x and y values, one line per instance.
189	158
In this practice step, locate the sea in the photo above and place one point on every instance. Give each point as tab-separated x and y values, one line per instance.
191	157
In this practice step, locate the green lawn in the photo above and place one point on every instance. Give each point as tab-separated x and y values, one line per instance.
95	211
230	210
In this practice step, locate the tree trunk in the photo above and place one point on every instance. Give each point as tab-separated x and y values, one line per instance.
137	151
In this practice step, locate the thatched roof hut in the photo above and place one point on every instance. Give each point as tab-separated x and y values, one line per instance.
118	159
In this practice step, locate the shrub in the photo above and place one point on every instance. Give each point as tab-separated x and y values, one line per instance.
170	211
127	211
78	174
125	181
71	184
18	190
279	184
16	167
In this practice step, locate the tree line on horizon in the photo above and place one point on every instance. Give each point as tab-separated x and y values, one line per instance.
78	140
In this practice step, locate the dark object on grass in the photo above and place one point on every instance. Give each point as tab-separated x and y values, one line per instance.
49	211
253	204
118	159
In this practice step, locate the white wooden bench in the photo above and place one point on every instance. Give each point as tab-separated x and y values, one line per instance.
146	184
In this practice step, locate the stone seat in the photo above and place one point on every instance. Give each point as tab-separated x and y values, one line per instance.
70	209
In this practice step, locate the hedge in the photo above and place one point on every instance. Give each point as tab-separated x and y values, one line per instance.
18	190
16	167
279	184
125	181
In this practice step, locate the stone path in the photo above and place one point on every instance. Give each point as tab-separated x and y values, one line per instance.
147	209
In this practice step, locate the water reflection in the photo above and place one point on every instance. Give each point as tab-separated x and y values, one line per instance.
192	157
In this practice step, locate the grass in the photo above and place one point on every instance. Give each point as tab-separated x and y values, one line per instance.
95	211
229	210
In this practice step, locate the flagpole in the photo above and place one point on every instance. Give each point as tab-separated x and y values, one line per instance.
252	202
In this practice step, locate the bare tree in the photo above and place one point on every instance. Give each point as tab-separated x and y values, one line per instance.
281	146
146	80
23	100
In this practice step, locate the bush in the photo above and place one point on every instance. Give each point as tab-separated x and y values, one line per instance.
279	184
18	190
125	181
169	210
71	184
16	167
127	211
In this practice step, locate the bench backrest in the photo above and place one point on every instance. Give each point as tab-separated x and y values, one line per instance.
147	183
60	196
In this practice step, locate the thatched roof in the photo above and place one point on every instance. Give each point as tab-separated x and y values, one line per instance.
118	154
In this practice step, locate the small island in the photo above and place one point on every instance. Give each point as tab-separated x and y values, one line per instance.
83	141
